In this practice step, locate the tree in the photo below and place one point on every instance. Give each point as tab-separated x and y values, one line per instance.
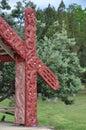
57	53
40	24
62	15
52	29
5	12
82	46
45	19
18	11
4	5
73	21
49	17
7	81
77	22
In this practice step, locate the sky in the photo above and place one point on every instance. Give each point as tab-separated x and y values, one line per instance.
44	3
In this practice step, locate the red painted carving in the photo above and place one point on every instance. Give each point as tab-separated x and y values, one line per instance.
11	38
5	58
31	86
47	75
26	69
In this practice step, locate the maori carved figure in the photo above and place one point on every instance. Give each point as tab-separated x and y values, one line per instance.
31	86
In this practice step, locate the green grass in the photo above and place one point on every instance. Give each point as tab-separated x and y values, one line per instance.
61	116
64	117
8	118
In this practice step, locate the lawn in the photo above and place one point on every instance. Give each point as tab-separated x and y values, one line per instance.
59	115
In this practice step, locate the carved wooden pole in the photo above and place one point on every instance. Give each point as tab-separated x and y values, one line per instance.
31	71
20	92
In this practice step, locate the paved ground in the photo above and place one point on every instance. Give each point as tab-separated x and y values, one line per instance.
11	126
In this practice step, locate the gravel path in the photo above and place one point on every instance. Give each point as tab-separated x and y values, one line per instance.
11	126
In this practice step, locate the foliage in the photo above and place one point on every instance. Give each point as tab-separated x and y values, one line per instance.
77	21
57	53
5	5
50	15
8	73
7	81
61	14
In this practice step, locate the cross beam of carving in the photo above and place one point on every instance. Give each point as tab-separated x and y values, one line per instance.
18	45
33	65
11	38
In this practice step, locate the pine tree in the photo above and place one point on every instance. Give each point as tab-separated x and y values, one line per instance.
73	21
50	15
62	15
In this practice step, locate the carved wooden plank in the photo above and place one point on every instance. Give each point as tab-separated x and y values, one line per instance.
11	38
47	75
20	92
44	72
6	109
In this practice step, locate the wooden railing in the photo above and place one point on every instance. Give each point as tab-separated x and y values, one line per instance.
7	110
